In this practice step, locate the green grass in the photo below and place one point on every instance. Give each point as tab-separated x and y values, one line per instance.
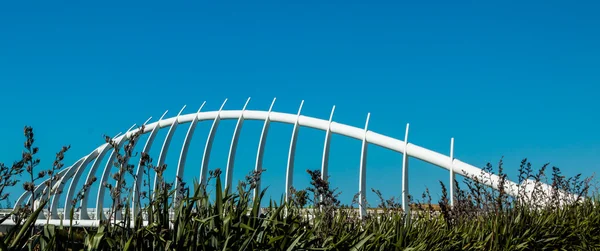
481	219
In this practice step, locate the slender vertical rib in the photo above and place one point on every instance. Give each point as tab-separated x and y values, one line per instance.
84	215
325	160
71	190
165	147
452	177
105	175
362	184
56	192
208	147
233	147
140	169
261	148
289	175
405	205
184	150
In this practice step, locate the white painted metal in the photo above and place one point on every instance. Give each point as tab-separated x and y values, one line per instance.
184	149
362	182
38	190
452	176
105	175
140	169
209	143
102	150
58	186
75	180
405	193
414	151
261	147
289	174
71	190
165	147
367	137
325	159
233	147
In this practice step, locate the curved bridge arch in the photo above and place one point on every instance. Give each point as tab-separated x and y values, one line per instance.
73	173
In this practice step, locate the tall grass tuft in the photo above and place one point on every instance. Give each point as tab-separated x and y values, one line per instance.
312	219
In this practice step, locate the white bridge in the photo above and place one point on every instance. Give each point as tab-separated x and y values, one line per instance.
86	167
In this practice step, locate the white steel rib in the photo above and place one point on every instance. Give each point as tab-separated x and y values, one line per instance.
367	136
289	173
362	180
184	150
233	147
405	154
325	159
261	146
209	142
139	171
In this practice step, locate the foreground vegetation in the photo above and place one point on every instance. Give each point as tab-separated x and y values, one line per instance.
481	219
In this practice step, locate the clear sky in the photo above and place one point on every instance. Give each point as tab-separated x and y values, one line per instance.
505	78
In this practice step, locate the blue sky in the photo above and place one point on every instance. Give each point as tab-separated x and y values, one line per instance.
504	78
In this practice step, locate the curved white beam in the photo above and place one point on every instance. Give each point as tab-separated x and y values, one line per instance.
140	169
261	147
162	156
325	160
387	142
233	148
362	182
209	143
409	149
184	150
289	175
405	205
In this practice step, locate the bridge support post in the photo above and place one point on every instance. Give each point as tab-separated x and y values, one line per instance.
405	202
289	175
184	151
105	176
362	184
162	156
140	169
261	150
233	148
452	175
208	146
325	159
